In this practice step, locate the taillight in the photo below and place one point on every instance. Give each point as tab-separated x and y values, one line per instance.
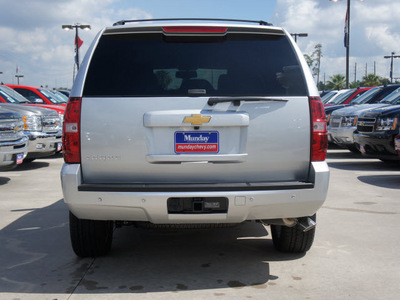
319	133
71	134
194	29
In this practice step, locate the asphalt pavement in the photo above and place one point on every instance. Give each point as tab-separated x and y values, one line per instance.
355	254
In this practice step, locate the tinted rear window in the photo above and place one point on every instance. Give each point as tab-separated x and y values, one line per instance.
149	65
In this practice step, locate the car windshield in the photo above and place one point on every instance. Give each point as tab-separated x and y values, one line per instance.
341	98
393	97
328	96
367	96
49	95
60	96
12	96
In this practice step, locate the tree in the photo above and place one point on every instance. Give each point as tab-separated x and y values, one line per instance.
385	81
355	84
321	86
371	80
336	82
309	60
314	61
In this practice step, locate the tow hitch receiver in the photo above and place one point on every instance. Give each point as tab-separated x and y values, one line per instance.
197	205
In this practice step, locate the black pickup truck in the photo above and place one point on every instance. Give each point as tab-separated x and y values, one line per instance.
376	132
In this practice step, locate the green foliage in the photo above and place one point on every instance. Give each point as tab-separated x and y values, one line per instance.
314	60
355	84
371	80
321	86
309	60
336	82
385	81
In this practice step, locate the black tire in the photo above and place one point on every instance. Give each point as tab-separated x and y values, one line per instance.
90	238
292	239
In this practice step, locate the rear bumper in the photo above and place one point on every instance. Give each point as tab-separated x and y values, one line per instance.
132	204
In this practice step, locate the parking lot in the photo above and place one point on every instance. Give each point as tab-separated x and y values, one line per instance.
355	253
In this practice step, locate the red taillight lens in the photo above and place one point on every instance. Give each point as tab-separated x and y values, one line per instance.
71	134
319	132
194	29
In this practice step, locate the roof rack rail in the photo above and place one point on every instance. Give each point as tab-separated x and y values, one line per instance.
122	22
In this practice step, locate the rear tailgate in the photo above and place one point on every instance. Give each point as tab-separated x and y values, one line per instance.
146	116
144	140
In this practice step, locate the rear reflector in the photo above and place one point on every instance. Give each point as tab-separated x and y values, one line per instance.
71	133
319	132
194	29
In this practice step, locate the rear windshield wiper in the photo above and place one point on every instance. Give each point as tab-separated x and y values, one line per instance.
236	100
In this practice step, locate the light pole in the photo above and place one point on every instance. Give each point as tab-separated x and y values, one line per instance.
298	34
76	26
18	77
347	39
391	64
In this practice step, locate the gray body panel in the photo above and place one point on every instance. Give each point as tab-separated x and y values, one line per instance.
116	144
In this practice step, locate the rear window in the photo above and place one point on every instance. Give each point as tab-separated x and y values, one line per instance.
150	65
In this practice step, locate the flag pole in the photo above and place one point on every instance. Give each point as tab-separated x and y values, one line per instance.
347	43
77	47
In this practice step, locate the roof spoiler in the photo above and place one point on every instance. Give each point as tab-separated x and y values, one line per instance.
122	22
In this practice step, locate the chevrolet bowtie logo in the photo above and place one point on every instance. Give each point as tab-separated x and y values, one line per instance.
196	119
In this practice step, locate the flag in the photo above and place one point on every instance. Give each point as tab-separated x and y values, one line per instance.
80	42
346	31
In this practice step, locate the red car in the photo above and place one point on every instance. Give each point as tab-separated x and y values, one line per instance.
347	97
37	95
9	95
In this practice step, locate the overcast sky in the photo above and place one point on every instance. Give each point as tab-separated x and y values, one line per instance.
32	39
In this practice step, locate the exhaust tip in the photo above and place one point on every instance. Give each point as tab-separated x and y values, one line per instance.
306	223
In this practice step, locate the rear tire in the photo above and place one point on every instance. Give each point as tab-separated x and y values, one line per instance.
292	239
90	238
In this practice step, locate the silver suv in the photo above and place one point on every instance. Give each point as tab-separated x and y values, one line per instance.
193	123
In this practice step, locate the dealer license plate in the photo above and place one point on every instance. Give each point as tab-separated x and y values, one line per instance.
196	141
20	158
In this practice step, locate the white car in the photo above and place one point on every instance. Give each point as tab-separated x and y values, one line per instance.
193	123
